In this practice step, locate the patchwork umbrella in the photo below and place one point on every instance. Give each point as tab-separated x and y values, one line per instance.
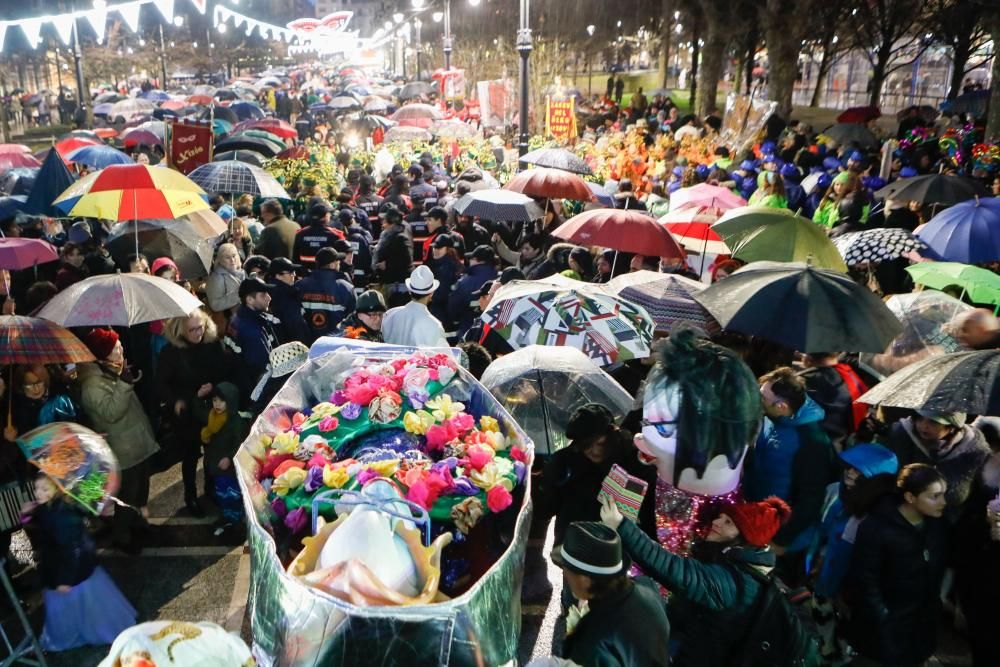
99	157
190	250
237	178
563	312
666	297
498	206
968	232
132	192
556	158
942	189
705	195
804	308
981	285
877	245
544	182
620	229
120	299
957	382
762	233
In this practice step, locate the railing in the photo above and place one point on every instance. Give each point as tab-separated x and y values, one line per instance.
843	99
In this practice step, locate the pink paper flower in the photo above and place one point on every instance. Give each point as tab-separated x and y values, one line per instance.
518	454
479	456
328	424
498	499
463	423
367	475
361	394
438	436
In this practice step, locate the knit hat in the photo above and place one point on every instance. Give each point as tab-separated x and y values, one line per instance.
759	522
370	301
101	342
588	421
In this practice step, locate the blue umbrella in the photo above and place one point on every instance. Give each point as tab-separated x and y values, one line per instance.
10	206
247	110
319	106
968	232
52	180
604	198
163	114
103	109
99	157
155	96
18	181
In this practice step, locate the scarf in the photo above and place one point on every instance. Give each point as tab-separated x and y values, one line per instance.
216	420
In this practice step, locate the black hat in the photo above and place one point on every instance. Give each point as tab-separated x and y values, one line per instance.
391	214
438	213
370	301
327	256
318	210
588	421
484	289
509	274
592	549
484	253
256	263
443	241
282	265
343	247
252	286
79	233
346	216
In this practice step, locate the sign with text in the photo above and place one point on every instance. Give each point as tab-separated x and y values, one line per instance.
190	146
560	119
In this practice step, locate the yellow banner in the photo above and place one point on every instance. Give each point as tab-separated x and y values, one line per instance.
560	119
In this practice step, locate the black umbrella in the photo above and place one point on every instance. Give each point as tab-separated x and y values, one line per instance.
164	238
557	158
499	205
226	95
250	157
415	89
18	181
956	382
943	189
802	307
851	133
241	142
220	112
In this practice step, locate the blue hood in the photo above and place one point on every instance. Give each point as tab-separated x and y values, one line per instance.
871	460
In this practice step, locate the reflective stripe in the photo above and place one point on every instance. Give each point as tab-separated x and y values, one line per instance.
319	305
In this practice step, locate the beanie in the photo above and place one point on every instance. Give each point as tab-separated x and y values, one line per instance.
759	522
101	342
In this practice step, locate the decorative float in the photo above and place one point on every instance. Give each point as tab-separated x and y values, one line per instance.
388	510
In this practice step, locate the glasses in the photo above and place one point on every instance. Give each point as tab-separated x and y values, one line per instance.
664	429
197	329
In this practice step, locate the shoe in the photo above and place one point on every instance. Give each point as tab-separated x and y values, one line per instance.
194	509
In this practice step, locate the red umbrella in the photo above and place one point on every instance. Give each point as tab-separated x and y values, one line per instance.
10	161
860	115
623	230
172	105
294	153
202	100
22	253
13	148
550	183
138	137
70	144
106	132
275	126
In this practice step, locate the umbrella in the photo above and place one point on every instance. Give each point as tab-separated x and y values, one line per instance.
541	387
763	233
957	382
205	224
155	96
943	189
692	228
802	307
221	126
86	134
226	95
810	182
10	161
23	253
132	192
173	105
136	137
99	157
968	232
543	182
342	103
119	300
250	157
877	245
205	89
30	340
406	133
499	206
19	181
859	115
926	112
106	133
926	317
415	89
246	110
703	194
164	238
274	126
50	181
237	178
452	129
11	206
974	103
373	122
560	311
294	153
666	297
66	146
556	158
601	196
103	109
418	115
13	148
851	133
259	133
620	229
132	107
157	127
376	105
981	285
108	98
242	142
218	112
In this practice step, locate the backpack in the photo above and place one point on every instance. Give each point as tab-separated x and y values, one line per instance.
783	633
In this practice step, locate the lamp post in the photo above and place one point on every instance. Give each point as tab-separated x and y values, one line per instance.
446	39
416	29
81	87
524	50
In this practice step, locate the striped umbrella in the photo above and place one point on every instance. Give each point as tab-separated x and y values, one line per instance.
692	229
235	177
132	192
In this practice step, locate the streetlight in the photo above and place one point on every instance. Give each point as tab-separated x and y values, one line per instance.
524	50
437	16
397	17
417	4
416	28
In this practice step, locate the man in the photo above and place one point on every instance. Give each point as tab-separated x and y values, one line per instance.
463	299
327	294
359	259
256	266
626	198
394	252
619	90
137	263
436	219
252	334
639	104
278	237
416	219
286	304
366	321
473	234
366	199
316	235
611	86
72	270
793	460
412	324
421	186
977	329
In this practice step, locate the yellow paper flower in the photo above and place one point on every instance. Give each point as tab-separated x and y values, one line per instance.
288	481
266	440
503	466
335	478
497	440
418	422
324	409
488	477
285	443
385	468
444	408
487	423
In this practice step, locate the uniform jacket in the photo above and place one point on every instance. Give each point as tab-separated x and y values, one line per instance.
309	240
327	298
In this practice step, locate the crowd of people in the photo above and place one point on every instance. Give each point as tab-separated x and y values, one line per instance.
882	517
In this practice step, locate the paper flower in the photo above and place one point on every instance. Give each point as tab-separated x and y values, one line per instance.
467	514
466	487
367	475
361	394
285	443
314	479
444	408
279	507
498	499
287	465
320	458
350	411
416	378
487	423
445	374
338	398
479	456
325	409
497	440
335	478
297	419
518	454
418	422
297	520
520	470
488	477
328	424
288	481
438	436
386	468
462	423
385	407
422	494
308	447
418	397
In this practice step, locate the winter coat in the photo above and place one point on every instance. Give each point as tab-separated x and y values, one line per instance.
251	336
327	298
286	305
309	240
626	629
58	532
461	303
278	238
181	370
394	248
223	445
474	236
712	601
826	386
70	275
960	464
222	289
361	244
792	459
352	327
31	413
113	409
894	586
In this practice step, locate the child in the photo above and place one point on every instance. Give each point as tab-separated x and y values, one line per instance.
222	435
82	604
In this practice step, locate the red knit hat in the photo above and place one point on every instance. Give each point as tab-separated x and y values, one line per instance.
101	342
758	522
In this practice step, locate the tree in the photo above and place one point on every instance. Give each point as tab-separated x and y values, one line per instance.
992	19
829	19
666	28
786	24
717	15
960	25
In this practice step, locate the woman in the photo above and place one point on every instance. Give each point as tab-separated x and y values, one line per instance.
715	593
33	403
828	211
771	193
581	262
447	268
239	236
189	367
896	569
223	286
166	268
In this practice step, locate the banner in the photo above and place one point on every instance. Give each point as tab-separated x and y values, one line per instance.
451	83
190	146
560	119
495	102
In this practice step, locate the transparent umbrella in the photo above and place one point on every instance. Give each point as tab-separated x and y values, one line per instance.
541	387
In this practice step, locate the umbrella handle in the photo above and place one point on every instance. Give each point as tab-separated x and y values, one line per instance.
10	398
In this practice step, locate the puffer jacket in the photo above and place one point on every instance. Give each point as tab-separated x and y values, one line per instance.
224	444
112	408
